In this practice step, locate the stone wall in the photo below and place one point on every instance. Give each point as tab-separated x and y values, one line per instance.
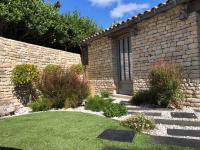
166	37
13	53
100	68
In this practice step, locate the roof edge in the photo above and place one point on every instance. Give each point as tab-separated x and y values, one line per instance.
160	8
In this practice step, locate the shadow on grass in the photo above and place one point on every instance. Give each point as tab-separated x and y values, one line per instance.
9	148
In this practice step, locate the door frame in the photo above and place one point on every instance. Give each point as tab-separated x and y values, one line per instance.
117	49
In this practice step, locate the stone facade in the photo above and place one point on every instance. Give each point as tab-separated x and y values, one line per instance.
162	37
166	37
100	68
13	53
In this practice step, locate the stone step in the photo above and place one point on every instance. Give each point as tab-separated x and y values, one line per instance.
120	96
183	132
154	114
146	108
192	143
197	110
183	115
178	122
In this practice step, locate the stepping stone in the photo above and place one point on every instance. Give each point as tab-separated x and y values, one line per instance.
8	148
113	148
183	115
178	122
197	110
182	132
125	102
146	108
117	135
176	141
147	113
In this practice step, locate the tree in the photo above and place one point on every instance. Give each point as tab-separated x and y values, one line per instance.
40	23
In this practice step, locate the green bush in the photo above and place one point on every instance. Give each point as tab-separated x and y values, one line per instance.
105	94
165	81
24	74
43	104
23	77
139	123
144	97
115	110
96	103
53	68
77	68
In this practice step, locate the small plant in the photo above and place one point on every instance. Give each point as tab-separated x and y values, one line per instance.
114	110
42	104
139	123
144	97
78	69
23	77
96	103
105	94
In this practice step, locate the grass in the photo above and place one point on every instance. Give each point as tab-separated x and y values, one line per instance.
66	131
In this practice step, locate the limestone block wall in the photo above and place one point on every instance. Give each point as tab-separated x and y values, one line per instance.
14	52
100	67
166	37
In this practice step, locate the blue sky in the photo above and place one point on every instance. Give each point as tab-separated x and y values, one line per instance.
105	12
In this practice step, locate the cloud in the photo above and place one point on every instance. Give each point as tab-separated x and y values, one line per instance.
104	3
123	9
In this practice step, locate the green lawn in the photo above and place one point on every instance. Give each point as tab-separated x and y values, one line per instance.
65	131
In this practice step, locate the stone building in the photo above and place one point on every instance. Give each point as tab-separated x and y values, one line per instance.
119	58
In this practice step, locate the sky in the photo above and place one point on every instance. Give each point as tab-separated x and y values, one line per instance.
106	12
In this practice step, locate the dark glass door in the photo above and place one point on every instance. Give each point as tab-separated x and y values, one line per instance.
124	67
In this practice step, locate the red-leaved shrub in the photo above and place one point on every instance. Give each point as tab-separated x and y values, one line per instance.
61	85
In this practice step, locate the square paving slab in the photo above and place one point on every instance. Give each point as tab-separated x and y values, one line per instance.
178	122
147	113
113	148
183	115
197	110
176	141
117	135
8	148
182	132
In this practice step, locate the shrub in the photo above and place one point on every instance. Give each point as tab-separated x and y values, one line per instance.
105	94
96	103
53	68
43	104
139	123
144	97
77	68
22	78
24	74
165	80
62	84
115	110
73	102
